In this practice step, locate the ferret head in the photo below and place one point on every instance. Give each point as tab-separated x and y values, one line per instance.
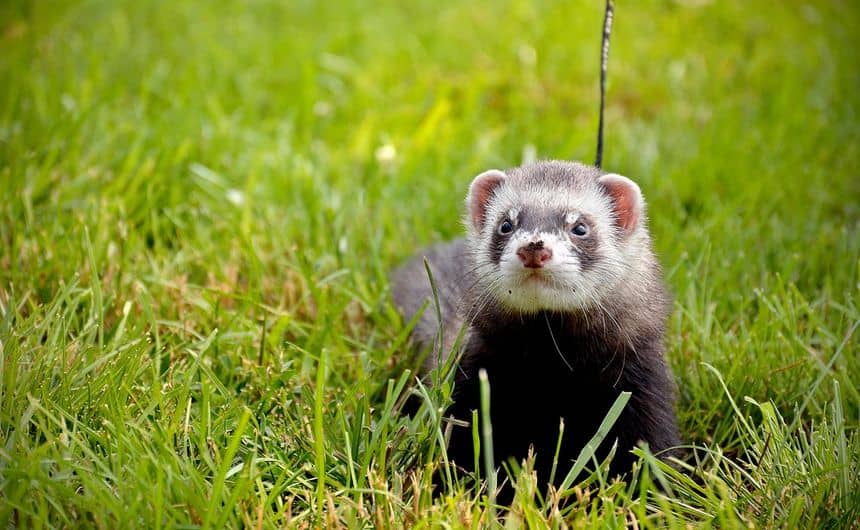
555	236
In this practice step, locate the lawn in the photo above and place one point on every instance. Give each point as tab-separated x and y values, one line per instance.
201	203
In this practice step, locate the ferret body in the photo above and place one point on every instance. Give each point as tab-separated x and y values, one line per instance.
563	304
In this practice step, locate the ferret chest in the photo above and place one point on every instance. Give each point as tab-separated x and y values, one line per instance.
541	370
533	389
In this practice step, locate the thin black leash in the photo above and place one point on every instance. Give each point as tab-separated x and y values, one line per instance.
604	61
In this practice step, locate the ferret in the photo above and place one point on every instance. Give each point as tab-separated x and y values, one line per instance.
563	304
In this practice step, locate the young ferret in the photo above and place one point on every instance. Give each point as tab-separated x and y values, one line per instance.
564	306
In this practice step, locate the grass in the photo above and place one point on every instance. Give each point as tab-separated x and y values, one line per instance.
200	206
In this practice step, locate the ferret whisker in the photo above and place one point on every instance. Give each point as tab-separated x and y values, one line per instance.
555	344
484	299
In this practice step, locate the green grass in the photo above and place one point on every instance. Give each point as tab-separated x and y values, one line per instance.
198	217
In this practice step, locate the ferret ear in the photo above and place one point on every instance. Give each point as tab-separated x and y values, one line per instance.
480	192
626	200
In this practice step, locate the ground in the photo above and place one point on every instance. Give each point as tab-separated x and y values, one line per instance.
201	204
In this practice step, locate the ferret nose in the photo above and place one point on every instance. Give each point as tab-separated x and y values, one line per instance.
534	255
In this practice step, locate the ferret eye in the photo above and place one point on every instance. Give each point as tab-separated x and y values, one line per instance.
579	229
506	227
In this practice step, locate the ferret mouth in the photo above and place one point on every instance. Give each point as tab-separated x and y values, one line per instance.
542	278
536	276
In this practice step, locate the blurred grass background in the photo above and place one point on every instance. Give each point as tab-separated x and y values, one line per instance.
200	204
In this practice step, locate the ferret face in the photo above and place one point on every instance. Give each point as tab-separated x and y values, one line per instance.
552	236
